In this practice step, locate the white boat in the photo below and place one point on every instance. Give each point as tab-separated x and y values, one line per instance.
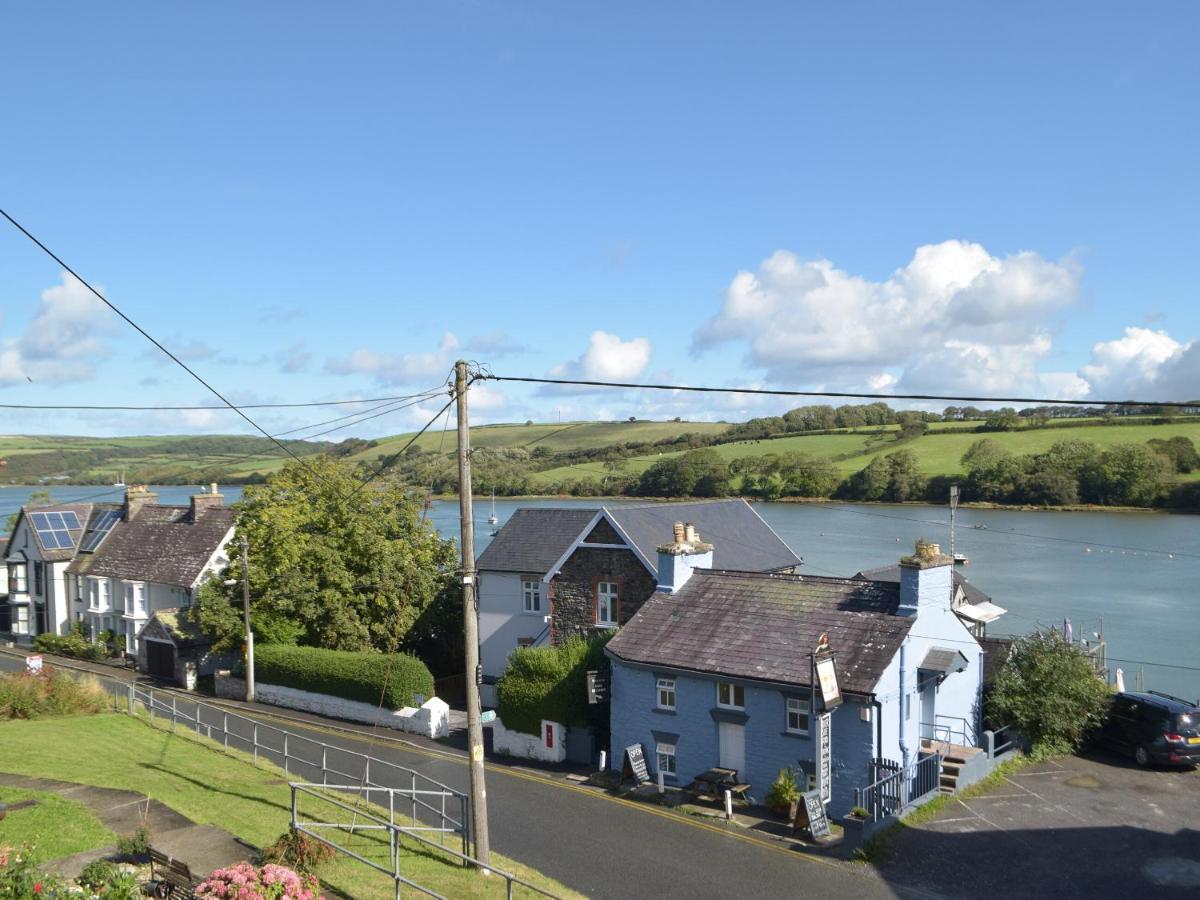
492	520
960	559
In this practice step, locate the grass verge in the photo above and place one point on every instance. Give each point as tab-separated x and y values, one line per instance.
56	826
199	779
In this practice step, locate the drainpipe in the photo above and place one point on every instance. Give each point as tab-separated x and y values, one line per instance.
904	704
875	702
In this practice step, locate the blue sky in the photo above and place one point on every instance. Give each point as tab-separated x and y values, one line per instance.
312	200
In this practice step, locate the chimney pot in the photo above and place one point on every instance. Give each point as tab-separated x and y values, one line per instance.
689	533
678	532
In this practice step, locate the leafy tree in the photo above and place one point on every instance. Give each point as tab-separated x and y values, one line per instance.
992	472
1047	487
894	478
812	477
1005	419
1127	475
1180	450
697	473
332	563
1048	690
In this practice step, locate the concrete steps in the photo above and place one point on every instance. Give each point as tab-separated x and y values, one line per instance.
954	757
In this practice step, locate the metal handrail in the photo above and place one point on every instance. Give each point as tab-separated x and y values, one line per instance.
967	731
155	705
395	831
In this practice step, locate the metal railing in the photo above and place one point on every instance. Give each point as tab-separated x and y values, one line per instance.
891	794
999	741
327	832
305	756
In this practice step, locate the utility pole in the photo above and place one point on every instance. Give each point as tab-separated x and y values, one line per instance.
479	821
246	614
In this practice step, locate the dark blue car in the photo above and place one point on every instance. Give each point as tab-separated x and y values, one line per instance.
1153	728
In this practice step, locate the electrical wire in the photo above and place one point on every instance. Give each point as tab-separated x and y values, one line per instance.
179	362
120	408
1042	401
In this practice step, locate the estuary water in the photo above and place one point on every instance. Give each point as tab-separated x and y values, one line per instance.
1139	573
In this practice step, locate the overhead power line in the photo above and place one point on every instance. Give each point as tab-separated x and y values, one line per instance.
1041	401
124	408
140	330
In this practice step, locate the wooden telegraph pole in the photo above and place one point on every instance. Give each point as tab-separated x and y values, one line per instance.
479	821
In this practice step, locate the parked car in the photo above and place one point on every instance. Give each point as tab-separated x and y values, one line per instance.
1153	728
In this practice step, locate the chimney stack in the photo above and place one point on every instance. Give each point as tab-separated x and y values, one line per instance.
678	559
925	579
205	501
137	496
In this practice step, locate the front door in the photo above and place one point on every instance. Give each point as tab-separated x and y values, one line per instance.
160	659
733	747
928	711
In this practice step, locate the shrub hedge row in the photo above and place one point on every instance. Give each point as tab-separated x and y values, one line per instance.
341	673
549	683
72	644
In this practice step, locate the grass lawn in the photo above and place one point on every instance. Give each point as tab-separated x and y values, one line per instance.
55	826
202	782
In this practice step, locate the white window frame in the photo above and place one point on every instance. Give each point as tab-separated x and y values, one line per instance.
105	593
732	692
607	603
665	691
531	595
18	578
796	706
664	754
93	585
20	622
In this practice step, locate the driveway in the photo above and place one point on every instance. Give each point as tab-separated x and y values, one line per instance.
1077	827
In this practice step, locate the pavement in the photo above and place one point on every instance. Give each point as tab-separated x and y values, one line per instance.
203	847
597	844
1093	826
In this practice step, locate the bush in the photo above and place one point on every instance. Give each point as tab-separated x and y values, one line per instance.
1048	691
549	683
785	790
134	847
24	695
361	676
20	879
96	874
298	851
73	644
248	882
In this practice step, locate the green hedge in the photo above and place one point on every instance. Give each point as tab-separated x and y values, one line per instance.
340	673
72	644
549	683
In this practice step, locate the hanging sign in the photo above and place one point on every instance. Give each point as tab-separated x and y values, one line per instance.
827	680
824	757
597	686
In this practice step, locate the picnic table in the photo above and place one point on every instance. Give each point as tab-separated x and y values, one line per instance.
713	784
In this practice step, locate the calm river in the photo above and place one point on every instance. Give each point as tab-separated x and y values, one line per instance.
1139	572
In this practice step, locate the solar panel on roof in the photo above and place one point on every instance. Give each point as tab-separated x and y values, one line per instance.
100	528
53	529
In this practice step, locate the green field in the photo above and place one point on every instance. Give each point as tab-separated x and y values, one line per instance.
938	453
55	825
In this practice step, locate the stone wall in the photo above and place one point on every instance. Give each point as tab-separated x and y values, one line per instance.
573	589
431	719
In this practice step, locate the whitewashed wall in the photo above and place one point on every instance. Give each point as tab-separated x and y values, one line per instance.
528	746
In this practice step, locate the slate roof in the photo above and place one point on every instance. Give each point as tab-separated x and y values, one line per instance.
973	595
740	538
763	626
161	544
532	540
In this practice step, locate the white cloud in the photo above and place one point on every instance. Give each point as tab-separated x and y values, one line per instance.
399	368
1144	364
953	316
607	358
64	339
294	359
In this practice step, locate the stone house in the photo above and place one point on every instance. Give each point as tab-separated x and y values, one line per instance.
550	573
714	670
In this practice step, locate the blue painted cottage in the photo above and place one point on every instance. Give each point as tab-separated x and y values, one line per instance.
714	671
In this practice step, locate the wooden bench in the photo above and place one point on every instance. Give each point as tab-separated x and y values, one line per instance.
713	784
171	877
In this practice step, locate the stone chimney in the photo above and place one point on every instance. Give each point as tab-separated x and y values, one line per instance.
137	496
925	579
678	558
204	501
